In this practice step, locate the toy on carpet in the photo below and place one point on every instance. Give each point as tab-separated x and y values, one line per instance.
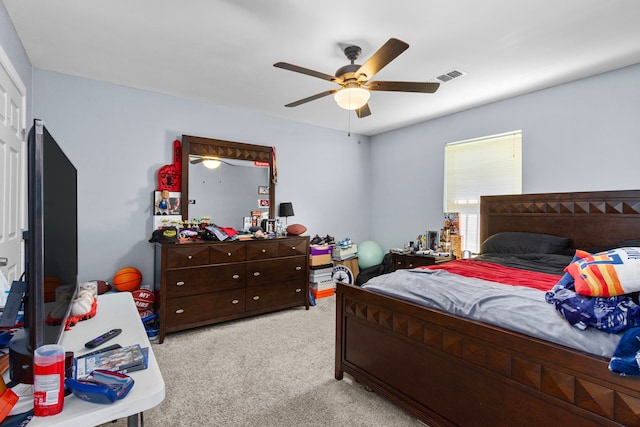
127	279
143	299
146	313
370	253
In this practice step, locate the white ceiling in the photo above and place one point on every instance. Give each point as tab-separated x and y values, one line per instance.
223	51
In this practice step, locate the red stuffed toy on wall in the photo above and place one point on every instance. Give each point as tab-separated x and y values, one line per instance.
169	176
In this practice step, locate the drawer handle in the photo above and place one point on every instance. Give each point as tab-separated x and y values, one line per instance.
298	268
257	273
228	253
293	247
190	257
181	283
410	265
235	301
298	290
256	298
179	311
264	251
236	276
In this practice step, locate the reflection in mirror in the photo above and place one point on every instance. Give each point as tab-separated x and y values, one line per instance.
230	192
227	193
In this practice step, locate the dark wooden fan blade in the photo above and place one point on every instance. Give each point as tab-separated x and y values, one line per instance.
387	53
403	86
312	98
363	111
196	161
306	71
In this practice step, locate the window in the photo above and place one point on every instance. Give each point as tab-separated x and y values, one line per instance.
480	167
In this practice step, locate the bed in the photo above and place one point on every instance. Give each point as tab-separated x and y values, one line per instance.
448	370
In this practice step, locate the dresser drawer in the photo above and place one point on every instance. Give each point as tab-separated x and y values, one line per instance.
187	256
411	261
284	293
262	250
201	308
199	280
227	253
292	247
276	270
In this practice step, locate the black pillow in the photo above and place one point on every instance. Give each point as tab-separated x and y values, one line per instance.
629	243
516	242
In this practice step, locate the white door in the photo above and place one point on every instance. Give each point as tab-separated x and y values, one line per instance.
13	165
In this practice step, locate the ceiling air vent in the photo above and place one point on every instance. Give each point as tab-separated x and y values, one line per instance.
453	74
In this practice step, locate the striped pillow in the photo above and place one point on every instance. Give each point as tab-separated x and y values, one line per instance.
609	273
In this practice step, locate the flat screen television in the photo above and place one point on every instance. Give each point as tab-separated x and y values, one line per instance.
51	249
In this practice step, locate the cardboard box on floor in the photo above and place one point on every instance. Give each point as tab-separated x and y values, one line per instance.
351	264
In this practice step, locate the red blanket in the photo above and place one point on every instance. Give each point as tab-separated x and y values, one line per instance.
498	273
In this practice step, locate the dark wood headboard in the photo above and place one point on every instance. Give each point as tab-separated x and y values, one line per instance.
590	219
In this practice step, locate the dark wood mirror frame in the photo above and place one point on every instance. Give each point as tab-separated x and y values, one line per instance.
195	145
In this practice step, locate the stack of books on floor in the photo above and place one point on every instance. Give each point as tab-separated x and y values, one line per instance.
321	267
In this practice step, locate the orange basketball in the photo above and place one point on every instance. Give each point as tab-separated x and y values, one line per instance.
127	279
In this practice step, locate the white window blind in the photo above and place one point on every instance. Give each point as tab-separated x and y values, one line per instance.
480	167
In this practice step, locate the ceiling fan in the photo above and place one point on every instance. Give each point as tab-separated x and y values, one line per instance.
355	80
209	162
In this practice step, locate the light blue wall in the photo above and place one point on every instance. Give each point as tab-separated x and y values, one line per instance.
118	137
580	136
12	46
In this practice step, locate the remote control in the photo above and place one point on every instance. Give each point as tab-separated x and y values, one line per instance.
103	338
100	350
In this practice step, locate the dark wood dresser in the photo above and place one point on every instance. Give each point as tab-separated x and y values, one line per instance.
202	283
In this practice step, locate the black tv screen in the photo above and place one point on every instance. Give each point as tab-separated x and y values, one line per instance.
51	249
60	241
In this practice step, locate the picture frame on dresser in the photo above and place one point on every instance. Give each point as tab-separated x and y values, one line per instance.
173	201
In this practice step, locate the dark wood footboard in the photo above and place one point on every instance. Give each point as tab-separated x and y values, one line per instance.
450	371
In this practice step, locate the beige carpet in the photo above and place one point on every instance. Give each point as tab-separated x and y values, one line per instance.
274	370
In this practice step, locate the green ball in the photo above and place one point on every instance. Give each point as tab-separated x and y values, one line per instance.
369	254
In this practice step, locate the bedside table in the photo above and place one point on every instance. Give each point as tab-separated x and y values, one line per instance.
415	260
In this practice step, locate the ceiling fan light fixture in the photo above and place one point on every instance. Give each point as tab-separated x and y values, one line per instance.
211	163
352	98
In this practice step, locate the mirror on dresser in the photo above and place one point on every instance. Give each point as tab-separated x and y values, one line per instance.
232	190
